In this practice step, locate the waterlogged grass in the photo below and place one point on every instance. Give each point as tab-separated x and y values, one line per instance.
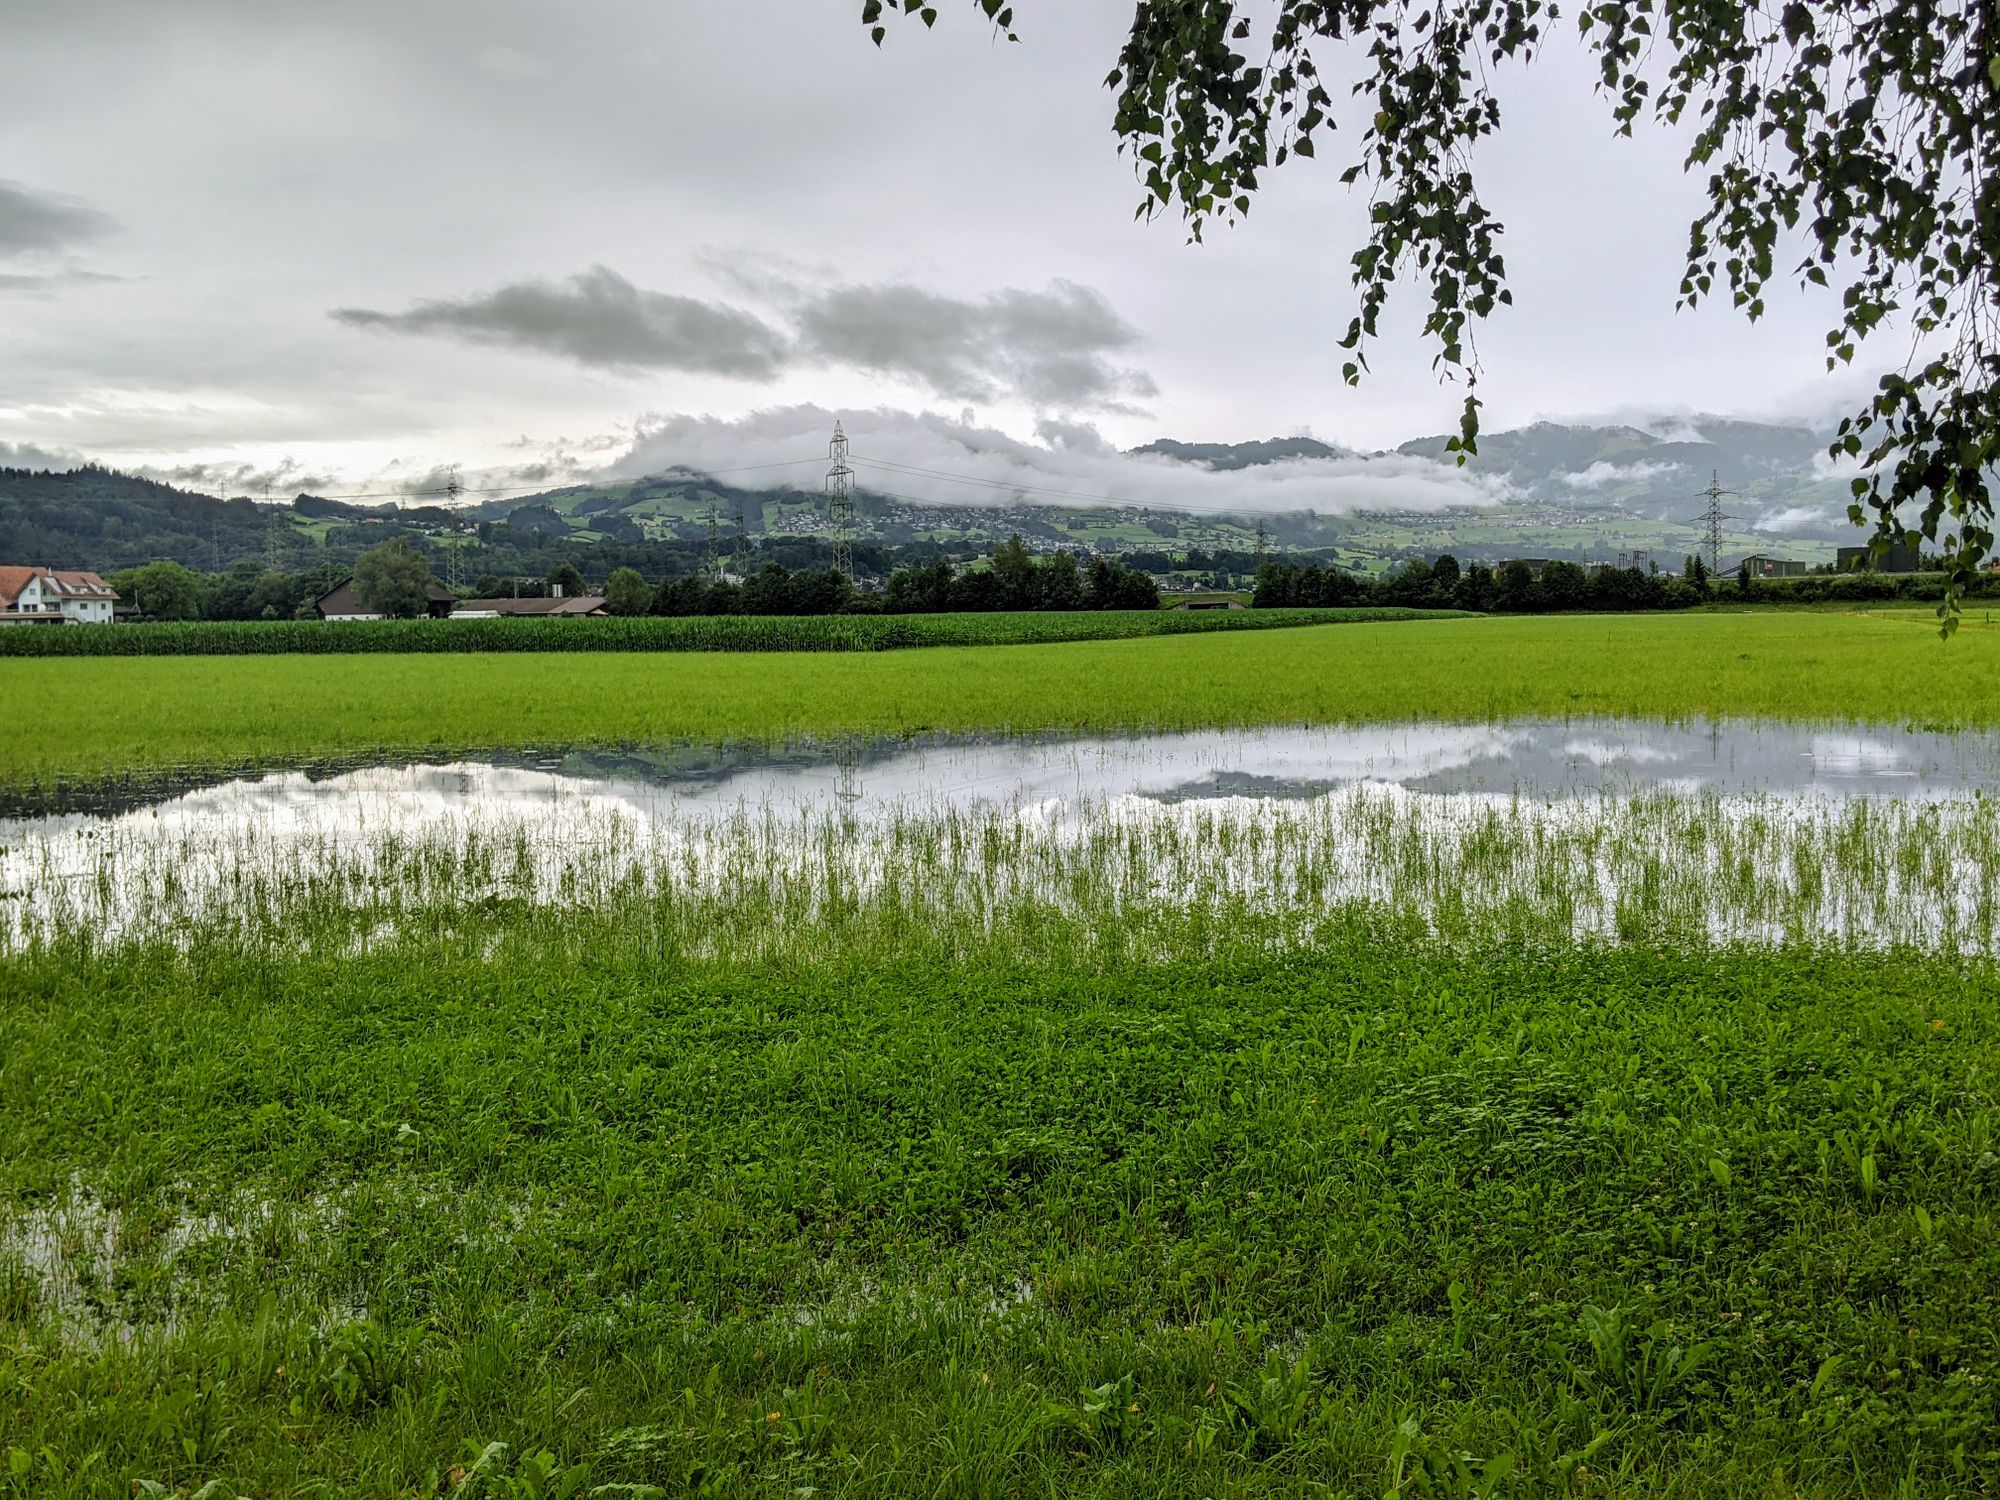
645	633
120	715
1350	1152
535	1199
1129	878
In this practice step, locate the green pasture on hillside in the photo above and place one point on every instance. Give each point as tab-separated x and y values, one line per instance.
129	714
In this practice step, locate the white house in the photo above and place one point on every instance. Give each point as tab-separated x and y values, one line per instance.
46	596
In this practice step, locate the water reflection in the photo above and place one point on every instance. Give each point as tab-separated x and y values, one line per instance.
1535	759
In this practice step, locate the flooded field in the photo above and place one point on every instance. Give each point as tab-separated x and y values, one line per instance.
1730	831
1535	758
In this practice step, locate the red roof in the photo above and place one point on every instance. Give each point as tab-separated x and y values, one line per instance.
12	581
63	585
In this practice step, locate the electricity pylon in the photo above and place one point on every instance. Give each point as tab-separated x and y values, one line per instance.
1712	519
840	505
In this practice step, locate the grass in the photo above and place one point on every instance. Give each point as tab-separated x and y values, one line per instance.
972	1160
1375	1145
98	717
647	633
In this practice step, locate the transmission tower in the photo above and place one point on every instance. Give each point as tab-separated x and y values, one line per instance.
840	505
1263	544
1712	519
711	566
741	559
454	562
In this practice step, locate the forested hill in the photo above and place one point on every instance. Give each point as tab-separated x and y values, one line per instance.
100	519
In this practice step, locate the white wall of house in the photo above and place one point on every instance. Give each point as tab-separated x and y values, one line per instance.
86	611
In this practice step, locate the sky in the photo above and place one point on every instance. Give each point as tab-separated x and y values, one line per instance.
344	247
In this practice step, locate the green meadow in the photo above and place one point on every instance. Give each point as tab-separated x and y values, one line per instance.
1369	1145
121	715
418	1186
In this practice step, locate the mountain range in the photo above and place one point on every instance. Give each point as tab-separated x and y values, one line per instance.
1567	490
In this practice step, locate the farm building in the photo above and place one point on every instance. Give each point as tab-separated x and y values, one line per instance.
342	603
491	609
47	596
1761	566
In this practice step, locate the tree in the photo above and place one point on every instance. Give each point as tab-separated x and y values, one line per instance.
1058	583
1445	578
163	591
564	576
627	593
1014	569
393	579
1863	132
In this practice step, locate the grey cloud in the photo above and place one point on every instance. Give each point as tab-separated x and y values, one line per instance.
599	318
286	477
28	456
1048	348
56	280
31	220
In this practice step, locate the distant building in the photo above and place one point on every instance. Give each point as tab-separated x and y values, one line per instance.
342	603
47	596
1898	559
1534	565
492	609
1761	566
1209	601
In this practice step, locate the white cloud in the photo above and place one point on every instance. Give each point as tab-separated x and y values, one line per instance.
1604	473
940	460
1797	518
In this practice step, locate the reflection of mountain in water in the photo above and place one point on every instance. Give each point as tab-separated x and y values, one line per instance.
1539	758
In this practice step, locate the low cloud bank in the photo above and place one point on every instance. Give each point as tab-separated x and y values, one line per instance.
29	456
937	460
1604	473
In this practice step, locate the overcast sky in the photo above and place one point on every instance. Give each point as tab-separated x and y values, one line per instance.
353	242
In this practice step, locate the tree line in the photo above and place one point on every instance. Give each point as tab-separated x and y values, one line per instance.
394	579
1556	587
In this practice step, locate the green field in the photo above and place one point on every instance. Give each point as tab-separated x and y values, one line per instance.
123	715
1370	1145
947	1194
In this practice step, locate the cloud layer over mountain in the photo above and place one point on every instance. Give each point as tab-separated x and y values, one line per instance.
939	460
